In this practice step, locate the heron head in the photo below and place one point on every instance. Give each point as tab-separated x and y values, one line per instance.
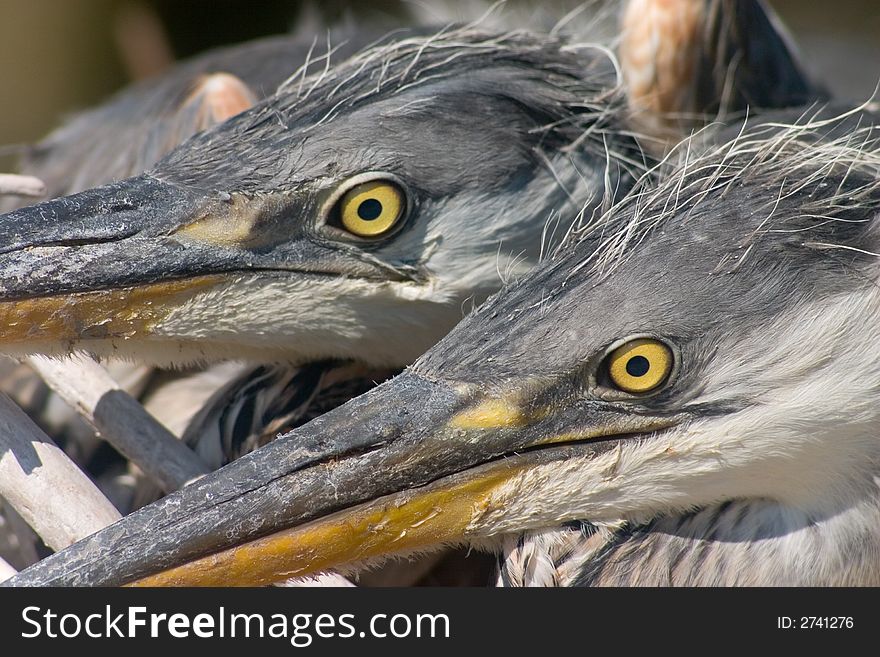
709	340
356	213
351	214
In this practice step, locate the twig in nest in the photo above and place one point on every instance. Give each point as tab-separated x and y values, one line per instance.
121	420
44	486
6	571
15	185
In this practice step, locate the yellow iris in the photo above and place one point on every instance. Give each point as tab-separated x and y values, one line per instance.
372	208
640	365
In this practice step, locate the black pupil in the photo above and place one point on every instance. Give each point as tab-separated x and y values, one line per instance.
370	209
637	366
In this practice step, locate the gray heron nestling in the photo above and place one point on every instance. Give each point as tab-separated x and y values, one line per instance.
351	214
685	394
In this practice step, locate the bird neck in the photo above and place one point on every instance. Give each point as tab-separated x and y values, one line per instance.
739	543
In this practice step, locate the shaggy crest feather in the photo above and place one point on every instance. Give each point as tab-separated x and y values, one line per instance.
569	94
798	160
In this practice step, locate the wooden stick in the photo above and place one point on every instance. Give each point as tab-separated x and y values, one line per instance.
121	420
6	570
15	185
44	486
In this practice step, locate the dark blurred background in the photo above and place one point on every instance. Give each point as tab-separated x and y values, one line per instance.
58	56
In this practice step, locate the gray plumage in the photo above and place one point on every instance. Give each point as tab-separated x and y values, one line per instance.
755	462
406	110
132	131
777	226
153	117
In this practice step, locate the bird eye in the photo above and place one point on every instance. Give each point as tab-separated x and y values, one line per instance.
640	365
372	209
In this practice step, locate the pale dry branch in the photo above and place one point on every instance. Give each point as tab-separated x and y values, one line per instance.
121	420
14	185
6	570
44	486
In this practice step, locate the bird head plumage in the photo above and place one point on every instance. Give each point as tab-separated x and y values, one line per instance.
703	351
358	211
349	215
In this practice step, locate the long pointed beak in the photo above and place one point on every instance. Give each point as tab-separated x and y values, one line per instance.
117	213
103	263
410	465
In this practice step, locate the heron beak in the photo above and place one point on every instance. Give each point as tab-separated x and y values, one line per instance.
409	466
113	262
99	264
